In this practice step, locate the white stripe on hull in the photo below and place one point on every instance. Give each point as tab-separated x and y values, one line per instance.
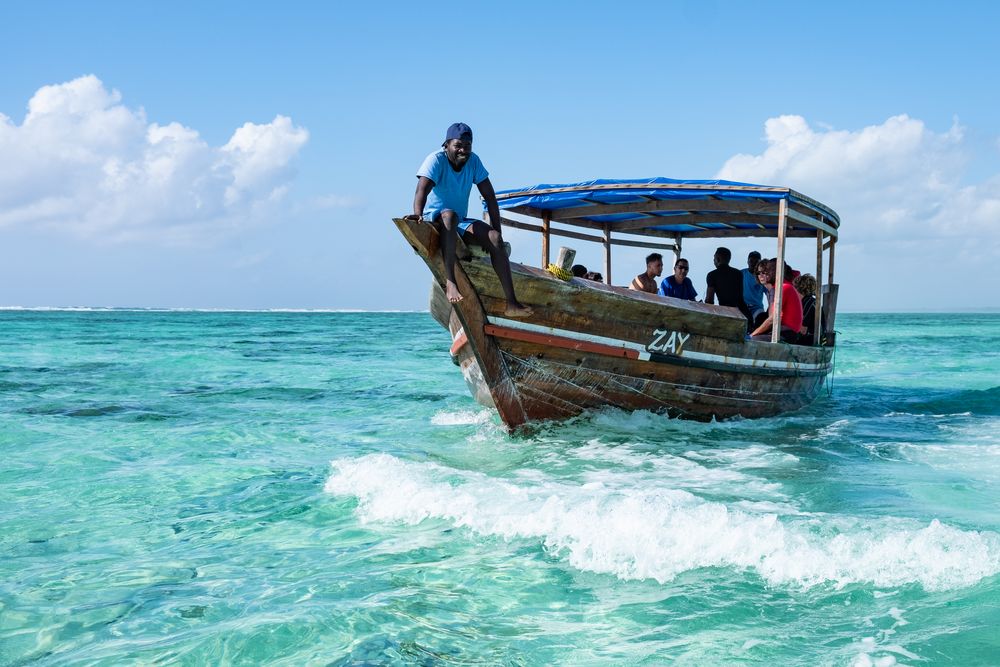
644	355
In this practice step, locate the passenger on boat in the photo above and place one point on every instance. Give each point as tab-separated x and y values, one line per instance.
726	282
805	285
646	281
679	285
595	276
578	271
444	181
753	291
790	317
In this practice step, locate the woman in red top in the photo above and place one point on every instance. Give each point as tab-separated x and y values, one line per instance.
791	304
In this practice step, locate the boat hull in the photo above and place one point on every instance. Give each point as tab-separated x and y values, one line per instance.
590	345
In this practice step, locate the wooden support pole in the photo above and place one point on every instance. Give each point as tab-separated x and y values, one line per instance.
817	334
546	218
677	248
779	271
607	253
833	246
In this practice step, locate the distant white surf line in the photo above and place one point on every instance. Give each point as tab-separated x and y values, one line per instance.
647	532
139	309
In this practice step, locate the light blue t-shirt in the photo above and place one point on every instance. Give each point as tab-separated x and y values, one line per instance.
753	292
451	188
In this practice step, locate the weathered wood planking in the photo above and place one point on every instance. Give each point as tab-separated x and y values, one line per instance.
563	360
567	379
642	335
603	305
423	237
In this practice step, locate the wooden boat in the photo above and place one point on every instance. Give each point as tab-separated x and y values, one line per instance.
590	345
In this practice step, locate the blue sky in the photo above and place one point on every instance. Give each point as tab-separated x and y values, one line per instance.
215	155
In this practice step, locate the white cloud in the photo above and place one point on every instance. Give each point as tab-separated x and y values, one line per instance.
897	179
84	162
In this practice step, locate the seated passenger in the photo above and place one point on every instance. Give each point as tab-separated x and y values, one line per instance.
679	285
726	282
790	317
805	285
595	276
753	291
646	282
578	271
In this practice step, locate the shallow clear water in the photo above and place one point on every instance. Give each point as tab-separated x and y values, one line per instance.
302	488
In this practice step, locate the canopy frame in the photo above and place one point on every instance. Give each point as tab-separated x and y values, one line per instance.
678	210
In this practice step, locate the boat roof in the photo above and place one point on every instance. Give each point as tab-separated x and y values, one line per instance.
672	208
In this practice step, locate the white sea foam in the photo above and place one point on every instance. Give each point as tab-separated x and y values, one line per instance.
679	471
867	646
461	417
828	432
972	450
657	532
922	414
753	456
979	461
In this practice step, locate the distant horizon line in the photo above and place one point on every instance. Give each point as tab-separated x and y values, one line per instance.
158	309
163	309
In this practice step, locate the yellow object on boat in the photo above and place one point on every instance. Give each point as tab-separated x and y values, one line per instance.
559	272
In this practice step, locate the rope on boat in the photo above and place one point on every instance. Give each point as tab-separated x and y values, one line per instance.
559	272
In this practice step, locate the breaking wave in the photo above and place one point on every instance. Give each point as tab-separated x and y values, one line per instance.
614	526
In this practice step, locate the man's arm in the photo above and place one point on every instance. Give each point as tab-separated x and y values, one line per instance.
490	197
424	187
764	327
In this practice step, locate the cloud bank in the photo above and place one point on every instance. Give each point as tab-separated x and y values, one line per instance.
82	161
897	180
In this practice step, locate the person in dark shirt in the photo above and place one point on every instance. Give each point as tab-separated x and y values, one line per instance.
726	283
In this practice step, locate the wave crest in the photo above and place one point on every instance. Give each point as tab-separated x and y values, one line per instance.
659	533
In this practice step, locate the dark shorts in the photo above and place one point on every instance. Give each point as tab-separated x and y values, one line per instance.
464	226
787	336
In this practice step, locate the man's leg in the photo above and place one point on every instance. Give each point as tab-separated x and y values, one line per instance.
449	224
492	240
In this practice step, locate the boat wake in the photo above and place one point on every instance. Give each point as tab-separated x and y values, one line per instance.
613	523
984	402
462	417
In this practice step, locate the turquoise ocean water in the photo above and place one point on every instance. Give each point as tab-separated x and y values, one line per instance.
319	488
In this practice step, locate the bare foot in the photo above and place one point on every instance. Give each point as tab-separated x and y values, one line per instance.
451	291
517	310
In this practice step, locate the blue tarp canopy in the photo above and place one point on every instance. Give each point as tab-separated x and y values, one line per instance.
670	207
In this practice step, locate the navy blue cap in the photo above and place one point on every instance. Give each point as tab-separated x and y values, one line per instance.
458	131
